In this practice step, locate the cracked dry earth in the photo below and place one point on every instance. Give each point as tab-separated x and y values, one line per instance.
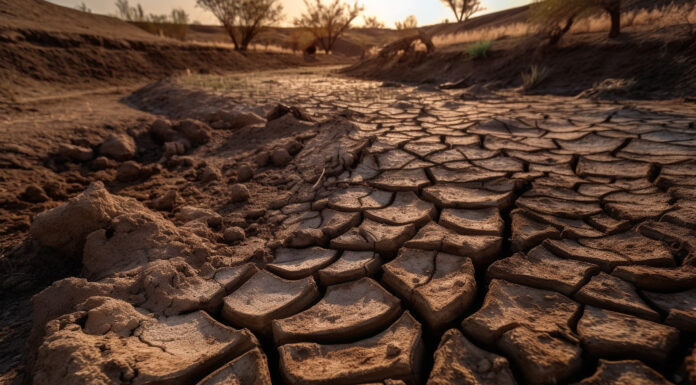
422	238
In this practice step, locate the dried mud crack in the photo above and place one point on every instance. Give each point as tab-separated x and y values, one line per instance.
371	235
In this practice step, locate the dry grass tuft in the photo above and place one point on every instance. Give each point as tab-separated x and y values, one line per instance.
483	34
659	17
252	47
536	75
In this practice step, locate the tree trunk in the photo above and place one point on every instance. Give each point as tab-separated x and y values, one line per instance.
230	31
556	35
615	25
614	9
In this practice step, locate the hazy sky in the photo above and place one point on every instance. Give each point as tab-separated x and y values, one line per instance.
389	11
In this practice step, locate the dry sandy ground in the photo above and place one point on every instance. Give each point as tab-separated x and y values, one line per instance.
376	234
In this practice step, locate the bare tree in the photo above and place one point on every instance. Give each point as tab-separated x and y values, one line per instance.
556	17
179	16
128	13
464	9
244	19
83	7
328	22
410	22
372	22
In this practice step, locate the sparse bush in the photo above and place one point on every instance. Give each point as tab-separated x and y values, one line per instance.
327	22
536	75
480	34
174	25
128	13
300	40
244	19
480	49
372	22
410	22
83	8
464	9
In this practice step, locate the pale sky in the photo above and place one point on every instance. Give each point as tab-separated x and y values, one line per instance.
389	11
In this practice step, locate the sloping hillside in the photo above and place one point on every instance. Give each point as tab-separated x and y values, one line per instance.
39	15
47	49
649	59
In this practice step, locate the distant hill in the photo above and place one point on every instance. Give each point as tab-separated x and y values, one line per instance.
39	15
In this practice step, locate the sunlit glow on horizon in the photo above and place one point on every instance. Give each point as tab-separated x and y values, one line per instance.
388	11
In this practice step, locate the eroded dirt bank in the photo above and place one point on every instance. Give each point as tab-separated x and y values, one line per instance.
643	63
368	235
48	50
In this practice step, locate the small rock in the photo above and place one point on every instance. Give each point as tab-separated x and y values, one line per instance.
162	130
34	194
280	157
233	234
55	190
244	173
151	169
209	174
262	158
118	146
239	193
178	147
194	131
102	162
255	213
166	202
75	153
128	171
293	147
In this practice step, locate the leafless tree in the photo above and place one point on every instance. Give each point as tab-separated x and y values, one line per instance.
128	13
372	22
244	19
410	22
327	22
464	9
83	7
556	17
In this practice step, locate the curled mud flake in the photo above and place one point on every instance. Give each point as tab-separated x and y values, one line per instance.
369	360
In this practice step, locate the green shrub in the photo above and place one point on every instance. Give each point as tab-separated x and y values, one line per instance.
480	49
535	76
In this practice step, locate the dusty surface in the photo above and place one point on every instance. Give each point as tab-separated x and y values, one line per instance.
382	235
